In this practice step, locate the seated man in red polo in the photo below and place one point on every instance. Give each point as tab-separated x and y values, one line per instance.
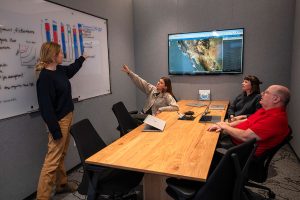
269	125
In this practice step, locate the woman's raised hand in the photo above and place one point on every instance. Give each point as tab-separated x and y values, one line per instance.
125	68
86	55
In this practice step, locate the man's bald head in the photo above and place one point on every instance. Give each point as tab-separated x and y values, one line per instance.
283	92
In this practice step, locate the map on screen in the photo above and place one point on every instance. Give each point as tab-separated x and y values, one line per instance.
213	52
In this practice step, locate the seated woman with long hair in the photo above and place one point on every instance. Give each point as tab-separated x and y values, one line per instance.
159	98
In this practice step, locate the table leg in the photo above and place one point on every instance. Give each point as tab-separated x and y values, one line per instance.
154	187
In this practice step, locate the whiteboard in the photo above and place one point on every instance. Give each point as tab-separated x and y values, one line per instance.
24	26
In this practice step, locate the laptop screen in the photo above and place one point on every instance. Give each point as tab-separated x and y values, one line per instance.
210	118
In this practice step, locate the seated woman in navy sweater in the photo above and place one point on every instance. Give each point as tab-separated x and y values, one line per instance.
247	102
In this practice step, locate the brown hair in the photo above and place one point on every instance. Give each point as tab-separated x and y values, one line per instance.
255	82
168	84
47	52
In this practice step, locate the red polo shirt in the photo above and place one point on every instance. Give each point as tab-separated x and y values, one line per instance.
270	125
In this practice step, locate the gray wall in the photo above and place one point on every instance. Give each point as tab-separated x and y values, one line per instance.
23	141
295	82
268	40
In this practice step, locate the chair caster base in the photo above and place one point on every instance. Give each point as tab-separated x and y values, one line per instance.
271	195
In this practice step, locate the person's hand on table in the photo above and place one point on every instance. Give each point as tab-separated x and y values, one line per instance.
214	127
218	126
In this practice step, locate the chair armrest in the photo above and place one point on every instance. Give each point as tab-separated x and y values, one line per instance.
140	117
221	151
133	112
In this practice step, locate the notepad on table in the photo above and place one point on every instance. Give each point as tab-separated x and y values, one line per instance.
153	124
216	107
196	104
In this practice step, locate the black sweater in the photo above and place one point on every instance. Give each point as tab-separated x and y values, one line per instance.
244	105
55	95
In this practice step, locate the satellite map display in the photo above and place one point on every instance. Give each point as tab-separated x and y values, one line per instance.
207	52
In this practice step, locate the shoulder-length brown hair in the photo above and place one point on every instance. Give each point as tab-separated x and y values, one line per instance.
255	82
168	84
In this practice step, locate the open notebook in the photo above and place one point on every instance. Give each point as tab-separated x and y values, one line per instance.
153	124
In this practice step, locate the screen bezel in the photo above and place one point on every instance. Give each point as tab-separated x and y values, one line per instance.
203	72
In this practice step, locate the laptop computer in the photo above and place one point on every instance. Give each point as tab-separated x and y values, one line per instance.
210	119
153	124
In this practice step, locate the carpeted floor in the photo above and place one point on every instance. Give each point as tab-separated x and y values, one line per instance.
284	178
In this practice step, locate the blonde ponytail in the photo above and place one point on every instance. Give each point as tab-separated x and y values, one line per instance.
48	51
40	65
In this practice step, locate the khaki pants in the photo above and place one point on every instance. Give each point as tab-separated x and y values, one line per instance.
53	172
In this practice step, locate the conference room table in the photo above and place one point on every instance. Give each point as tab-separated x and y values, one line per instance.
184	149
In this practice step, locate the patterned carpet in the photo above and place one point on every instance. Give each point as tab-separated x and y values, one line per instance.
284	178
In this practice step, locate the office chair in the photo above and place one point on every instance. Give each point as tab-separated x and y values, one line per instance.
259	167
126	122
225	182
105	181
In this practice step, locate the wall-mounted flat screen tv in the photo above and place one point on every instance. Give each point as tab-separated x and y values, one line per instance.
209	52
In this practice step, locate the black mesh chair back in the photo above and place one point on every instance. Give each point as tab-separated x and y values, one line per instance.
104	180
259	167
88	142
86	138
225	182
126	122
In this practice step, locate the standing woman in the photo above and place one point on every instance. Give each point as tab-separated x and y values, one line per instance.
159	98
56	107
247	102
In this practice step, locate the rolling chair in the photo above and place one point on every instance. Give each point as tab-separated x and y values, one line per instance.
125	120
113	183
225	182
258	169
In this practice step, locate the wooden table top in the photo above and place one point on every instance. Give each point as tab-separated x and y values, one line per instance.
184	149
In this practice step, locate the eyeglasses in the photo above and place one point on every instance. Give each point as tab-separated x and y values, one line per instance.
268	92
